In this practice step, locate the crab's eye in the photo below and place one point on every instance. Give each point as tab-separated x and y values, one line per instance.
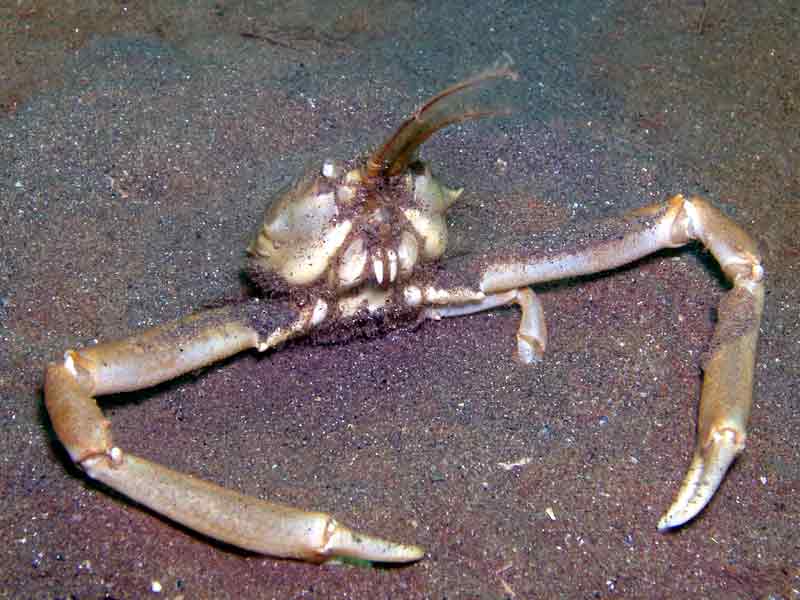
332	169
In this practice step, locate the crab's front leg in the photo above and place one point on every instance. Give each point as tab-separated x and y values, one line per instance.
532	331
161	354
728	381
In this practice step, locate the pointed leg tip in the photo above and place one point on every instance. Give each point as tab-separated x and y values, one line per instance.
672	520
409	554
692	498
529	349
344	542
709	466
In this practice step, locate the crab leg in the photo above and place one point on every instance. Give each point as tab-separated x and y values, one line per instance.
532	332
161	354
728	382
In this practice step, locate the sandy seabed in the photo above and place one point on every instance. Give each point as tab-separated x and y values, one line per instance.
140	145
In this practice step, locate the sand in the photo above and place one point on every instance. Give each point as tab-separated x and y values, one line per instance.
140	145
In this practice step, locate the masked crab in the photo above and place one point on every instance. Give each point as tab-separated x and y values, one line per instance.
356	244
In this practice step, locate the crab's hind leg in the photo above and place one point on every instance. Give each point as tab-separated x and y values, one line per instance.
161	354
728	372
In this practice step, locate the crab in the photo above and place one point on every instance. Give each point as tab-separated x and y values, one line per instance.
357	245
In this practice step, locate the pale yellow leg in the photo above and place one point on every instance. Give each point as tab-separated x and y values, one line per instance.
159	355
728	382
532	332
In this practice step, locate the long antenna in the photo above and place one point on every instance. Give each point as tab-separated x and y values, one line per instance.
442	110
